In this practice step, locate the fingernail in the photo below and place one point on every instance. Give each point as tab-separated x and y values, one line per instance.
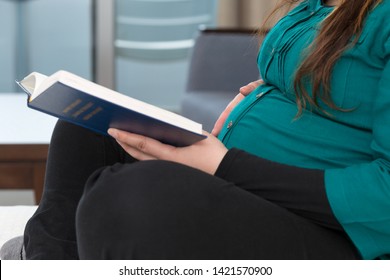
112	132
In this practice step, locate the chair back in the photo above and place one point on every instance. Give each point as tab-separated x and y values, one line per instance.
223	60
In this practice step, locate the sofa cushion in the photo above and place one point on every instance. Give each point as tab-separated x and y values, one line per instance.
13	249
205	107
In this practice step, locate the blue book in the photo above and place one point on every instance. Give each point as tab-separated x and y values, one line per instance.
74	99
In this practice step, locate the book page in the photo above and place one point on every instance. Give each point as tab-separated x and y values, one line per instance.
32	83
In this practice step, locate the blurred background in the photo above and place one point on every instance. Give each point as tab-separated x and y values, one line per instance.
140	48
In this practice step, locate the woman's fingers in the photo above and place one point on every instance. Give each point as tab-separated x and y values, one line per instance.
245	90
141	147
222	118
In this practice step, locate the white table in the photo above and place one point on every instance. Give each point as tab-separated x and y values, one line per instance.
24	139
22	125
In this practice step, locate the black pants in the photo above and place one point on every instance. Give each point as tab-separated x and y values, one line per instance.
160	210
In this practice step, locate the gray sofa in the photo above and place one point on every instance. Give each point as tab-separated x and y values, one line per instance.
222	61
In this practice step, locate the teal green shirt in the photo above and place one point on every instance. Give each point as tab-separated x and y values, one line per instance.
353	148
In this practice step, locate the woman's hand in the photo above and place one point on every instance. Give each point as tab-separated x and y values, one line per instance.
205	155
244	91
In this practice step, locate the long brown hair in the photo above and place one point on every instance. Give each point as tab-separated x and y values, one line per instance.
344	23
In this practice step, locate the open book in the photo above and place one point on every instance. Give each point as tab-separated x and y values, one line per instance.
82	102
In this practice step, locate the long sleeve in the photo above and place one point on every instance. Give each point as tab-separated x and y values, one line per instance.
360	194
299	190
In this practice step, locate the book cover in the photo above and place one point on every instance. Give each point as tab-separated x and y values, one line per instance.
79	101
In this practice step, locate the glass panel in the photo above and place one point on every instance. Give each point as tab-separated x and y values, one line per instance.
8	27
44	36
153	40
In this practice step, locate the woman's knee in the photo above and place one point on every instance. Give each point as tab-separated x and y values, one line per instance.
130	187
134	202
151	189
137	179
